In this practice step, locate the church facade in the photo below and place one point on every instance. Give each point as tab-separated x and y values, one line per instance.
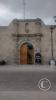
21	40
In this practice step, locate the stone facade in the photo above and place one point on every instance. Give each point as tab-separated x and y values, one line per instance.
33	31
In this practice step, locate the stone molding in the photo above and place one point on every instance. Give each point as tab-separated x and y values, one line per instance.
27	35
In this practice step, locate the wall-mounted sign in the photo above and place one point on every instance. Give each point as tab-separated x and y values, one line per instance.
38	58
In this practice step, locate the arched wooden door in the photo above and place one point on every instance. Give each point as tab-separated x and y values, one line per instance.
23	54
26	54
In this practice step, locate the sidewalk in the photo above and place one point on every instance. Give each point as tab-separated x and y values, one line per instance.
28	68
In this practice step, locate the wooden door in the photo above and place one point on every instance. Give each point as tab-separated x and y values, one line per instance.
23	54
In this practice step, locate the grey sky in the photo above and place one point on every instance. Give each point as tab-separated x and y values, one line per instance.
10	9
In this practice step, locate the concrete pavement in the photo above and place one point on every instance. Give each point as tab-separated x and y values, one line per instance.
28	68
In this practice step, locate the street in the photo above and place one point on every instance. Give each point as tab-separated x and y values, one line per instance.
22	83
